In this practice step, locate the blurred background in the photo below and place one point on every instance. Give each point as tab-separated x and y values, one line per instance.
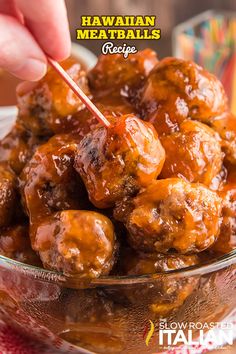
209	40
169	13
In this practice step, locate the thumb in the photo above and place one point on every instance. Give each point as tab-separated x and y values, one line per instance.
19	52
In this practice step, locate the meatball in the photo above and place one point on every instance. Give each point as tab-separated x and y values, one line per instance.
225	125
15	244
8	194
226	241
84	121
194	153
17	147
133	263
118	161
166	293
80	123
115	75
75	242
174	215
177	89
49	182
49	101
114	107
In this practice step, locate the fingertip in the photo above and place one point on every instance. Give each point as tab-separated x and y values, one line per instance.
61	53
49	25
22	57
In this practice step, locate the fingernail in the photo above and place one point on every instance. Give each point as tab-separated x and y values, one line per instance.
31	70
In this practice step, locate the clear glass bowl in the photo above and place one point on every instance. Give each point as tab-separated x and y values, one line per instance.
112	314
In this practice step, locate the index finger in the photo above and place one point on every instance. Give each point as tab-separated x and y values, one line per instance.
47	21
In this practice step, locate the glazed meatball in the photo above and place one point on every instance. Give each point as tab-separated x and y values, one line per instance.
226	241
133	263
82	122
114	106
118	161
49	182
166	293
8	194
194	153
225	125
49	101
17	147
75	242
15	244
115	75
177	89
174	215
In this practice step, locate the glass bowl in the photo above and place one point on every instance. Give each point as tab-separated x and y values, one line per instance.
113	314
116	314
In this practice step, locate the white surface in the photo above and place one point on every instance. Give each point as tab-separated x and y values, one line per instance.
7	119
80	52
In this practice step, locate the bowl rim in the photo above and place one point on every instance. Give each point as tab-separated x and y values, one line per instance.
59	278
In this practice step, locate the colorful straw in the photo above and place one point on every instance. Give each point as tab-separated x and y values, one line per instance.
212	44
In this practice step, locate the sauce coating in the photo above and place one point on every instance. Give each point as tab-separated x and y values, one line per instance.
116	76
17	147
225	125
8	194
119	161
173	215
50	100
15	244
177	89
226	241
49	182
76	242
199	157
150	177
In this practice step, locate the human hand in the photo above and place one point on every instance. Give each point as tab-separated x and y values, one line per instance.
28	29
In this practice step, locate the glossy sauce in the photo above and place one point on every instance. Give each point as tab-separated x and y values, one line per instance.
149	178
